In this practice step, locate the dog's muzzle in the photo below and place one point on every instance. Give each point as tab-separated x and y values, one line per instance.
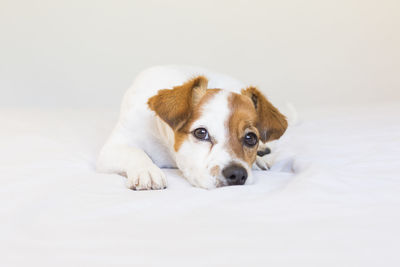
235	175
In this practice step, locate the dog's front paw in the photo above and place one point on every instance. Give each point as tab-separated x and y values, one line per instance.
149	177
263	163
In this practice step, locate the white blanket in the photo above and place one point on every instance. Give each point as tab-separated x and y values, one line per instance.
331	199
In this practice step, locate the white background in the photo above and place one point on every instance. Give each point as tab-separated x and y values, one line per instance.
86	53
331	199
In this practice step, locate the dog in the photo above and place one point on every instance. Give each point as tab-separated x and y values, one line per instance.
209	125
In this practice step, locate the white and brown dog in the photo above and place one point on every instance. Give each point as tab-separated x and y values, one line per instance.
208	125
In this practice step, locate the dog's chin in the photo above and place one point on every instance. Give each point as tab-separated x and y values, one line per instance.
210	182
220	182
207	182
250	179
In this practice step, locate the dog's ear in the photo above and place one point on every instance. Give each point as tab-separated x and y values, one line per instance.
271	123
174	106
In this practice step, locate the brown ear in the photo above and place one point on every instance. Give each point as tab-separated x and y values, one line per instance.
271	123
174	106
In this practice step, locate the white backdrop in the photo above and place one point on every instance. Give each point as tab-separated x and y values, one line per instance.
84	53
331	199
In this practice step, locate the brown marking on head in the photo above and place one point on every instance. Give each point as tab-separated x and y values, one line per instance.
182	133
174	106
180	106
243	119
271	123
215	171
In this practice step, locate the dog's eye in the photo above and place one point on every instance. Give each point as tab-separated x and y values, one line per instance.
250	139
201	133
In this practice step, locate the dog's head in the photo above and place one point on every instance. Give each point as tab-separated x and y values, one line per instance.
217	132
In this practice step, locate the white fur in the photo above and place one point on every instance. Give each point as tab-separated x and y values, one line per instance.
141	143
196	158
265	162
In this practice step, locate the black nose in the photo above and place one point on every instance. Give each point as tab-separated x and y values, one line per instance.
264	152
235	175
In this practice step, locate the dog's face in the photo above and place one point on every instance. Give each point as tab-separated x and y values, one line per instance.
217	132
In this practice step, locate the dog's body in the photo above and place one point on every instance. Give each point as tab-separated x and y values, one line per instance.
186	123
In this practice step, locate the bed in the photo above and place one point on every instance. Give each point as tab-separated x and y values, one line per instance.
331	199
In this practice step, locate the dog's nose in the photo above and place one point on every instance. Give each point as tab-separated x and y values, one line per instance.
235	175
264	152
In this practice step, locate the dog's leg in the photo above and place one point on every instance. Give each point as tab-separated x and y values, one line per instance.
119	157
267	158
264	162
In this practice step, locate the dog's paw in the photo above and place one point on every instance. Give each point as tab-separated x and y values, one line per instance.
149	177
263	163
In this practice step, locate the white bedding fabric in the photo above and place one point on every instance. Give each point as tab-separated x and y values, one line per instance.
332	199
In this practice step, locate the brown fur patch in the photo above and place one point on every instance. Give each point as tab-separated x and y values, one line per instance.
183	132
243	118
271	123
215	171
180	106
174	106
